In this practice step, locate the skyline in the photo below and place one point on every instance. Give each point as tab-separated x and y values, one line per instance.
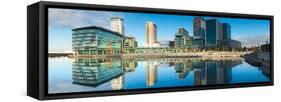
62	21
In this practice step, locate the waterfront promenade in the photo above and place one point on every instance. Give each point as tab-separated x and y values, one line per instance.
208	54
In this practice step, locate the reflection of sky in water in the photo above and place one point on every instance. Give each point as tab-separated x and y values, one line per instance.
159	75
247	73
60	78
168	78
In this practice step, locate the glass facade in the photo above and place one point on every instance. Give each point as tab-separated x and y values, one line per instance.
97	40
129	45
226	34
199	32
212	32
198	43
182	39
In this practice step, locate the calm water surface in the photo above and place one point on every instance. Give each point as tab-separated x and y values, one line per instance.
84	75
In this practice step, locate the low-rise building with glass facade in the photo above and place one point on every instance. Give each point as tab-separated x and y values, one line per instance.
212	33
235	44
93	40
129	45
198	43
182	39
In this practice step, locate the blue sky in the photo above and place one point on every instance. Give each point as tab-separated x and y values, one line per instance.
249	31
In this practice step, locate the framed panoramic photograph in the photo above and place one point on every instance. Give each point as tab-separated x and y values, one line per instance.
83	50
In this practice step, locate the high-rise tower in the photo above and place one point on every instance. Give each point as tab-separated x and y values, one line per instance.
151	34
117	25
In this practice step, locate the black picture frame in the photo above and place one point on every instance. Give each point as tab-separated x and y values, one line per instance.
37	49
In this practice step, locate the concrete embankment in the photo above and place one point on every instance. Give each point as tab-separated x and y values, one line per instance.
259	59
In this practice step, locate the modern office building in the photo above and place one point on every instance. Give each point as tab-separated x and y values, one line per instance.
130	42
151	34
182	39
226	34
220	40
117	25
199	32
235	44
213	33
93	40
129	45
199	28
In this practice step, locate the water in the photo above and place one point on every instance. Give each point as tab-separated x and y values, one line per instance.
85	75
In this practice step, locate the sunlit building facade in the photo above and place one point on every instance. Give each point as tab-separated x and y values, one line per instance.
117	25
226	32
95	40
151	34
129	45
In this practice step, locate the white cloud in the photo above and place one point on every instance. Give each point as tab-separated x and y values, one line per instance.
80	18
249	40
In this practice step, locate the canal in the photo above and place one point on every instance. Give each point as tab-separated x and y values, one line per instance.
86	74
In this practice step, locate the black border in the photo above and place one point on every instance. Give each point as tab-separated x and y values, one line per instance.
43	55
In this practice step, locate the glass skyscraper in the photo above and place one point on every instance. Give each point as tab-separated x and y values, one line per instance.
226	34
117	25
199	28
213	33
199	32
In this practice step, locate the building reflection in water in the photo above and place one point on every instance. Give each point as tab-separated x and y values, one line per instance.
199	73
151	73
118	83
182	69
214	72
128	65
206	72
94	72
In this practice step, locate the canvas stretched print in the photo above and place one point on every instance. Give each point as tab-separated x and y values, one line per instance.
95	50
103	50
